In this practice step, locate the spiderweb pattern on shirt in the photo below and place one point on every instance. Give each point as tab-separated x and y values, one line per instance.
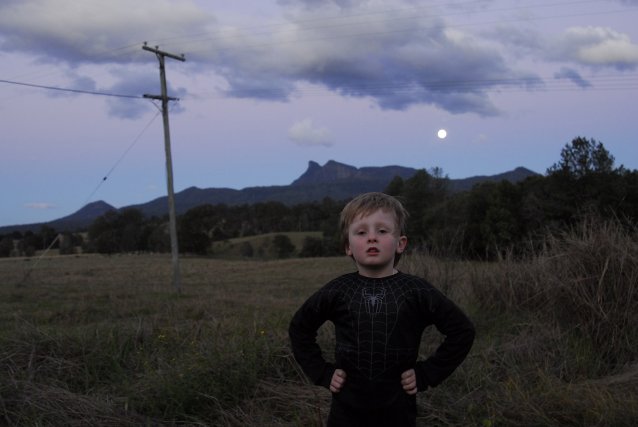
375	306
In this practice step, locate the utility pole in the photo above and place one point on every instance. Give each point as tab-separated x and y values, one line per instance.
169	162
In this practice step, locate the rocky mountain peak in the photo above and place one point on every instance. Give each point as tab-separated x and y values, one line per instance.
332	171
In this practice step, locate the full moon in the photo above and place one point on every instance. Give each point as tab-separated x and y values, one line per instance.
442	133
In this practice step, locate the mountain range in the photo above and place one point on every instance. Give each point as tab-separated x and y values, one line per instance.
335	180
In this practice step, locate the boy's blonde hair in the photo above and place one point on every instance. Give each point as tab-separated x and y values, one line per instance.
366	204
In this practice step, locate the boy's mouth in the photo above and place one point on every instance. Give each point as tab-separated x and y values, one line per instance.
372	251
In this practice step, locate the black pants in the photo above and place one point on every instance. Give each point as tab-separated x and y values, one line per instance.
400	414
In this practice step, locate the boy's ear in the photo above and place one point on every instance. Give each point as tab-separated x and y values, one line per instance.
402	244
348	251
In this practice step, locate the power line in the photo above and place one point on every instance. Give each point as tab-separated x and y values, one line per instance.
85	92
549	84
379	87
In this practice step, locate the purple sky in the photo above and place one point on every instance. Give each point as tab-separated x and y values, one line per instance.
269	85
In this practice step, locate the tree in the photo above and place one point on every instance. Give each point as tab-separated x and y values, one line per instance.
417	197
283	246
272	217
583	157
246	250
29	243
117	232
6	246
440	184
47	236
493	219
67	244
420	195
583	181
446	225
197	226
130	224
395	187
312	247
157	236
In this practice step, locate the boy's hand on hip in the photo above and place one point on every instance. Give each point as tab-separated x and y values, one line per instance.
408	381
338	380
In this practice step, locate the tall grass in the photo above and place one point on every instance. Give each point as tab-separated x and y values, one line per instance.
563	323
584	282
91	340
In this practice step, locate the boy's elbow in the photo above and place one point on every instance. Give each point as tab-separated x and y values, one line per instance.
470	333
468	339
471	330
464	337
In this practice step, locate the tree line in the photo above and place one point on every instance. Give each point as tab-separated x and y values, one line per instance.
491	219
497	217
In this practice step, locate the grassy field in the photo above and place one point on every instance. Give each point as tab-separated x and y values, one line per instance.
97	340
261	246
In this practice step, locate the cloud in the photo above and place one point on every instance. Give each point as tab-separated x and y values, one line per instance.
245	85
76	82
92	31
314	4
89	32
596	47
519	41
590	46
40	206
82	82
397	58
306	133
481	138
573	75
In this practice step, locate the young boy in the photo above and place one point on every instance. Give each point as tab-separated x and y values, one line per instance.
379	314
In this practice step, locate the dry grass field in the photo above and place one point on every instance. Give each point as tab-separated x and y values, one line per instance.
261	245
104	340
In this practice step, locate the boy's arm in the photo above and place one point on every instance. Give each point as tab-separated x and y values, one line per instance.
303	339
459	336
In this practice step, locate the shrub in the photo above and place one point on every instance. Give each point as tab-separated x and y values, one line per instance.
283	246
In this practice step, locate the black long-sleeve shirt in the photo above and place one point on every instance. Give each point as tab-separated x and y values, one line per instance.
378	327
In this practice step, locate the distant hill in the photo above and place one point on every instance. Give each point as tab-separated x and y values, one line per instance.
466	184
335	180
78	220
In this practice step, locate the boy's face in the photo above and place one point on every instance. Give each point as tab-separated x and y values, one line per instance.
373	242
